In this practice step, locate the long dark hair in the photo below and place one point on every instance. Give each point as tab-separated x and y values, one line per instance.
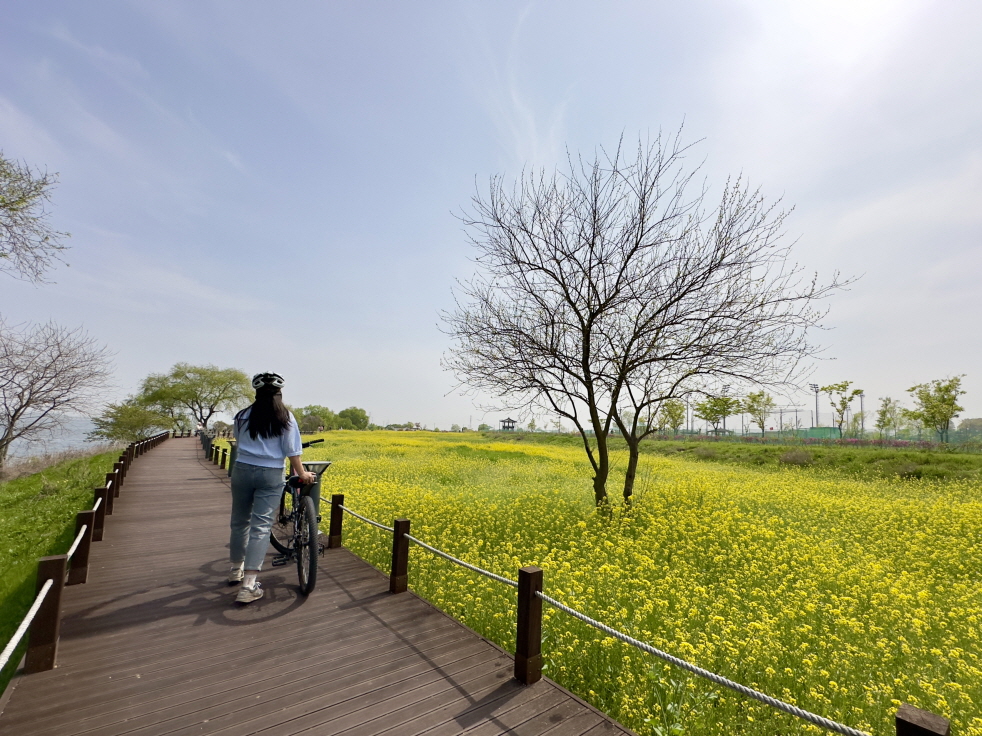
268	417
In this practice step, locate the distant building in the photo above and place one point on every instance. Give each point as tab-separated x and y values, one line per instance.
508	425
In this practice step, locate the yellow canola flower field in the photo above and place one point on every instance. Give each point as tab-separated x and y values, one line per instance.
842	596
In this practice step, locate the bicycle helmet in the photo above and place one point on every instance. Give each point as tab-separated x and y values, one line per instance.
267	379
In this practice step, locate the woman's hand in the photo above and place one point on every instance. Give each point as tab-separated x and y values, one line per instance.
296	466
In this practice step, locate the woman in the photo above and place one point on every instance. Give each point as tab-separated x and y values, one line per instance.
266	433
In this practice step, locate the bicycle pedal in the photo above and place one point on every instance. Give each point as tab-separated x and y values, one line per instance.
280	560
320	549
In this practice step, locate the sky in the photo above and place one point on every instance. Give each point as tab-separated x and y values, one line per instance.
276	186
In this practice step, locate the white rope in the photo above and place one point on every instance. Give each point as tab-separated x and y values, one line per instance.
78	540
711	676
373	523
22	629
469	566
98	501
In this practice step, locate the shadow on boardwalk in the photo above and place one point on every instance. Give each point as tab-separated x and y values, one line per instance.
154	643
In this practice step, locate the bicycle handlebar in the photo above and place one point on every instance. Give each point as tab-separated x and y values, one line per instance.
312	442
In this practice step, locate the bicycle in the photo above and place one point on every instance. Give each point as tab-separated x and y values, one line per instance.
294	533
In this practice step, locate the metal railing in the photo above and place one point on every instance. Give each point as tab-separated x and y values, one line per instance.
42	622
528	650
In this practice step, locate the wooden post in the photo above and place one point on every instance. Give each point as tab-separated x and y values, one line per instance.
224	460
100	513
232	455
122	464
528	642
79	571
118	469
913	721
42	645
399	576
337	520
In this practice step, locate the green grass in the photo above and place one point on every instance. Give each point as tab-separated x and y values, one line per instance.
872	462
862	462
37	518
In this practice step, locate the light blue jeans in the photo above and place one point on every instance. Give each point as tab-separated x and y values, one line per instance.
256	493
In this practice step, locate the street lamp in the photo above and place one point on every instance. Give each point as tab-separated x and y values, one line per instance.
814	387
862	416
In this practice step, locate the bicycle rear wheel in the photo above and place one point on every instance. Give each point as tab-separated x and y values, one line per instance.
281	533
307	547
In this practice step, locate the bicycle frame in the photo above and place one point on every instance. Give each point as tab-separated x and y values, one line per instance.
302	544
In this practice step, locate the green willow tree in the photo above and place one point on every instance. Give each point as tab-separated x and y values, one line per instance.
198	390
129	421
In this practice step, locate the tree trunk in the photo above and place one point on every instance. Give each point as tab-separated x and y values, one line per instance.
633	445
600	488
602	472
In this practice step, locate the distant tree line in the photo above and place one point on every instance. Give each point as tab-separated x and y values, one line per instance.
935	409
316	418
190	396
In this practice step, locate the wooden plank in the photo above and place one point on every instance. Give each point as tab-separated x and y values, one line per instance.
260	686
141	694
499	715
226	689
153	644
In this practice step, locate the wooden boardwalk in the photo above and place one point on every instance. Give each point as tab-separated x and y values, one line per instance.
153	644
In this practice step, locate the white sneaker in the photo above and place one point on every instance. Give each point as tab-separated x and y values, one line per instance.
235	575
248	595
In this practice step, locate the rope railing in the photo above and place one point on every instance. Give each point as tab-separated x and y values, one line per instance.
78	541
434	550
469	566
367	520
97	504
711	676
528	640
25	624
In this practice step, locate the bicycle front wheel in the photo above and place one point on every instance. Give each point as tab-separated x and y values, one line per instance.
281	533
307	546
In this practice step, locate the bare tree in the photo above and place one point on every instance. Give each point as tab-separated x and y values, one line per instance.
28	244
607	290
46	373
